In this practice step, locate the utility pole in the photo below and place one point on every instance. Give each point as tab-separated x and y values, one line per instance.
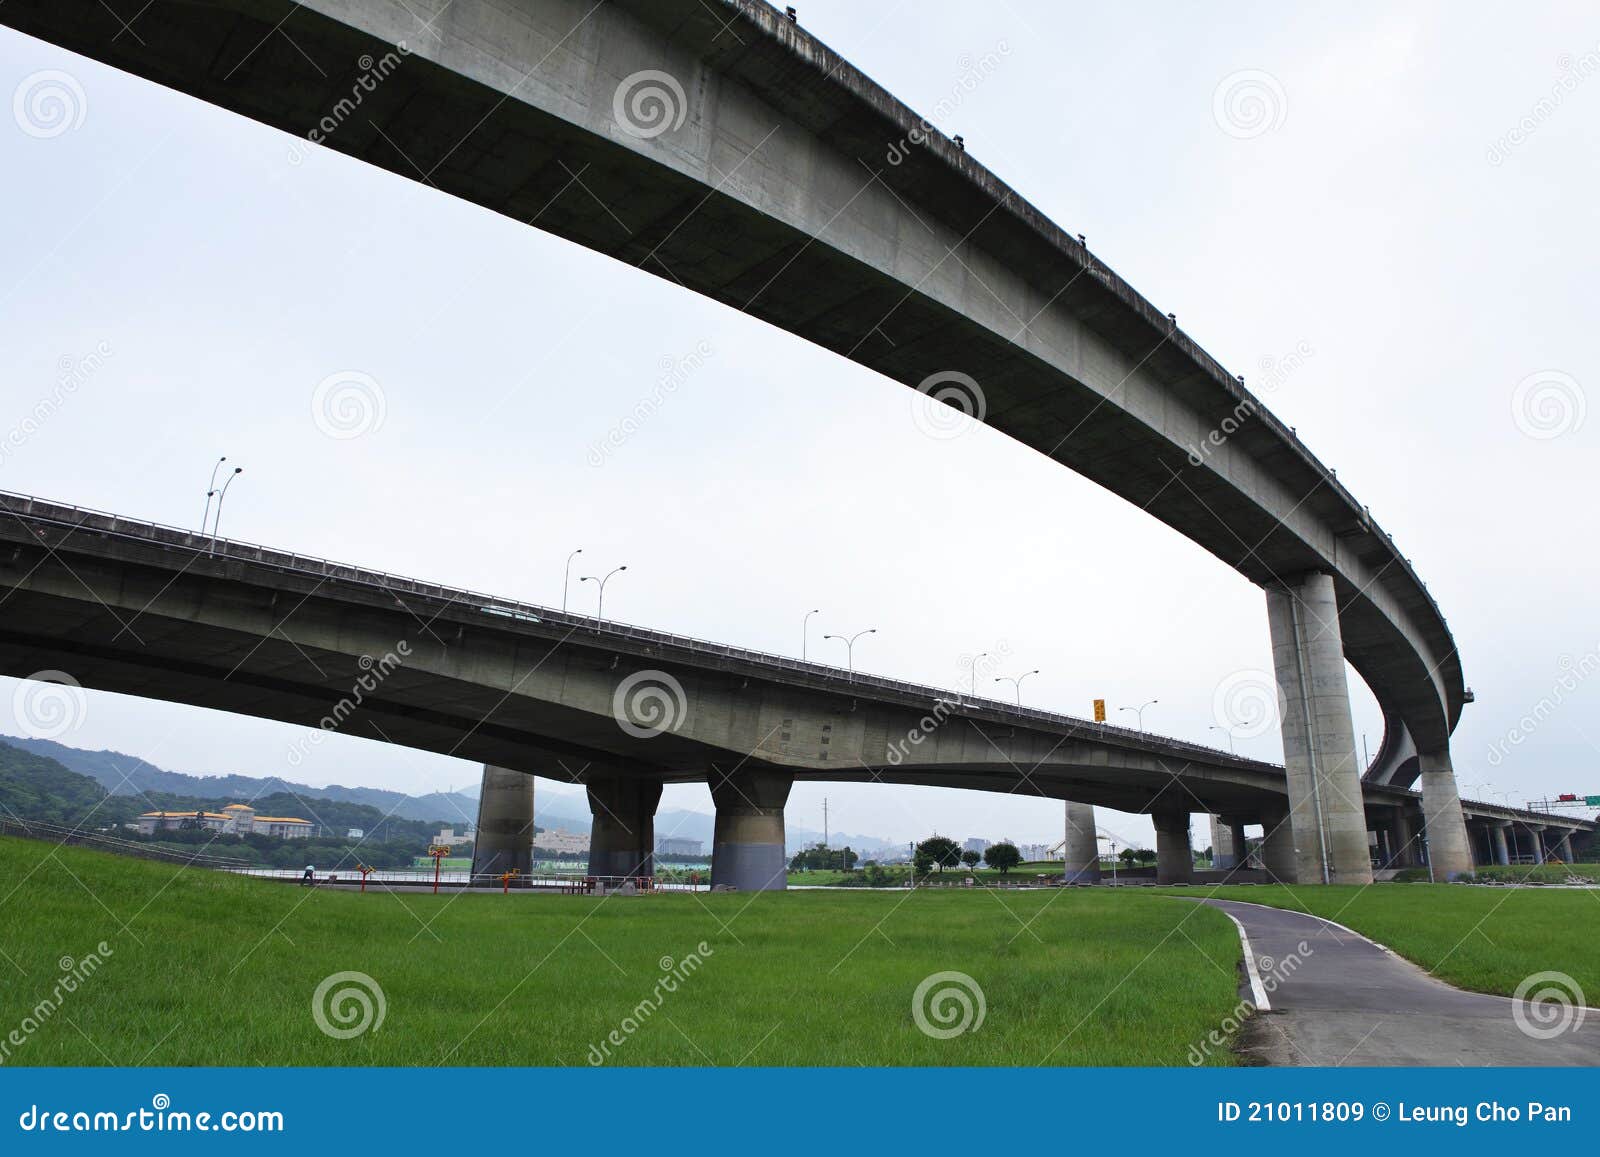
824	821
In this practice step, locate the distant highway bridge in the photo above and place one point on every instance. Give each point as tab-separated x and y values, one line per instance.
718	144
133	607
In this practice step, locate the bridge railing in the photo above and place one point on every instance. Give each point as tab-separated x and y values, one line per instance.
837	678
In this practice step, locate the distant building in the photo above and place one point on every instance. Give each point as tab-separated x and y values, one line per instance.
355	834
237	819
976	844
554	841
673	846
447	838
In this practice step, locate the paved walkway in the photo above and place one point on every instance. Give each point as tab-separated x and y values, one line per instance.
1350	1001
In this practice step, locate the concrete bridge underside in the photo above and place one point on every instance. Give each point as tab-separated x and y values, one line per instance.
132	608
795	189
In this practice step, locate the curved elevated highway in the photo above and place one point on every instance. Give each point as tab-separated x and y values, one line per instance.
133	607
782	181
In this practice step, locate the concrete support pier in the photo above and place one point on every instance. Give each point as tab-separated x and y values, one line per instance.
505	823
1497	840
622	835
1082	850
747	850
1449	850
1319	748
1277	847
1224	851
1174	855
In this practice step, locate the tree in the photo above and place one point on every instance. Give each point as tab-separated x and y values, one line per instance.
1128	856
921	865
1144	855
970	858
941	850
1003	855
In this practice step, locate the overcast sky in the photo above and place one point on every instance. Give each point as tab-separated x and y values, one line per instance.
1405	193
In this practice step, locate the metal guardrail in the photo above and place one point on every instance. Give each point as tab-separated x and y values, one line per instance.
138	530
101	841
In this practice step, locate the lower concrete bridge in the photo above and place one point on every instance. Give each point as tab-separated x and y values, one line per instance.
128	606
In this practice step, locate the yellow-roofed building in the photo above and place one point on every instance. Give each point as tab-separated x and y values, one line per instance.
237	819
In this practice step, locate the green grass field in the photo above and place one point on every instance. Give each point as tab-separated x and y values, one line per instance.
1483	939
207	968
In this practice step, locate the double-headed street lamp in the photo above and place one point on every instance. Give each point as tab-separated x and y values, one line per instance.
566	576
216	521
211	492
1139	712
805	632
1228	731
849	642
600	607
1017	682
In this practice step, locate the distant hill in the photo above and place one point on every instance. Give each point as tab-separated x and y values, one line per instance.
35	787
122	775
127	775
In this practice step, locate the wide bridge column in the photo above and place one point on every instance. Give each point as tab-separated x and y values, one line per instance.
1081	862
1174	855
1277	847
1319	748
747	850
504	842
1449	849
622	835
1225	853
1497	839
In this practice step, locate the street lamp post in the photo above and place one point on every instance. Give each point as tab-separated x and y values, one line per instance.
1139	712
566	577
600	607
850	646
805	632
1228	731
1017	682
975	660
211	491
221	494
